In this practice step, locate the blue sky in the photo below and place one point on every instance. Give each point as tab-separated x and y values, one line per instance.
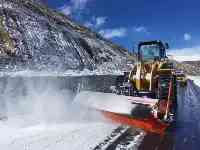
128	21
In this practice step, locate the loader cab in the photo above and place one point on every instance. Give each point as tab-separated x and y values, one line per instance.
151	51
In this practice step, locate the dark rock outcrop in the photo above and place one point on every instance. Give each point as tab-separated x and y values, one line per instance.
33	37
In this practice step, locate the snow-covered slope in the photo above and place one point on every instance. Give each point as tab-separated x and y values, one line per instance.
34	37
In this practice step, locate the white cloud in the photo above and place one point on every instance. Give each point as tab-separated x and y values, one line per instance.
79	4
140	29
88	24
187	37
96	22
67	10
74	6
186	54
100	21
112	33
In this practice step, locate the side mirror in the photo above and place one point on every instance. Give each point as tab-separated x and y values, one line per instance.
166	46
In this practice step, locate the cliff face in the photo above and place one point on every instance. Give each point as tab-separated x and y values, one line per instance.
36	38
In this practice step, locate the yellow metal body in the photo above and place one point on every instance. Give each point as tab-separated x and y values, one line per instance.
144	75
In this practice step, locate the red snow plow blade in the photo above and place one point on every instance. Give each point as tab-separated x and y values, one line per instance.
148	124
139	112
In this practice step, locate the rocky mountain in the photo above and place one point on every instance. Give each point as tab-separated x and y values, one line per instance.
34	37
190	67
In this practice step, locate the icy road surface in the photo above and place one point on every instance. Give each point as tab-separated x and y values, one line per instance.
187	131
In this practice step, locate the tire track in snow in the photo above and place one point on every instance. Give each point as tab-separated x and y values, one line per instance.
122	138
116	133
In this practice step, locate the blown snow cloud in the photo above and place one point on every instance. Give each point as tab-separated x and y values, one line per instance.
113	33
186	54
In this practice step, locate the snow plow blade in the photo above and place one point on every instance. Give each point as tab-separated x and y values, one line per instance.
134	111
149	124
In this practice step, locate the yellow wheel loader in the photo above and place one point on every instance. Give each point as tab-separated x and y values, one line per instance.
145	97
153	76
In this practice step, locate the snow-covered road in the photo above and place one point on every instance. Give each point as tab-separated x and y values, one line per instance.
74	136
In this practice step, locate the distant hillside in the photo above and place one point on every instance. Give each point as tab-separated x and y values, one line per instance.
190	67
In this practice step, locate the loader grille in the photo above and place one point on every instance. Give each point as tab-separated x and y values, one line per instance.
163	87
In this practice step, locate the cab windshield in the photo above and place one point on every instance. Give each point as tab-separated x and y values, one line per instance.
149	52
